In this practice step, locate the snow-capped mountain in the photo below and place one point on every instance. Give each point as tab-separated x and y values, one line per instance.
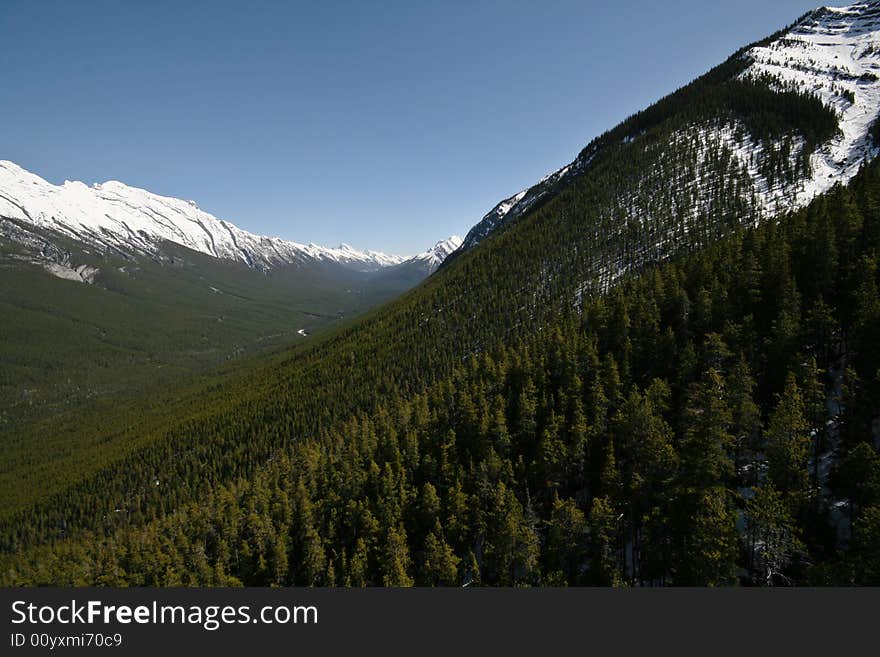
832	53
116	218
431	259
422	265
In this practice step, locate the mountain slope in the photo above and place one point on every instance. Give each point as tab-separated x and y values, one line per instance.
594	394
624	446
142	324
832	54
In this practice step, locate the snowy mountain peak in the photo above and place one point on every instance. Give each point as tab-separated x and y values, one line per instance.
116	217
442	249
428	261
832	53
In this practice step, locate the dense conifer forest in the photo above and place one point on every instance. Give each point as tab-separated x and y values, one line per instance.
643	381
73	356
711	420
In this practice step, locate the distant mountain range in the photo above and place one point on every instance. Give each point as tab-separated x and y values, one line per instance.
116	218
169	290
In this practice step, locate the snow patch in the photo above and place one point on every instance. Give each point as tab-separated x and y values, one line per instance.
834	54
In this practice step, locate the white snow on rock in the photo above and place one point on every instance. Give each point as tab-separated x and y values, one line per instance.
434	257
116	217
80	274
833	53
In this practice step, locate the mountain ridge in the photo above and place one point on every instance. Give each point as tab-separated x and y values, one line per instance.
829	52
119	218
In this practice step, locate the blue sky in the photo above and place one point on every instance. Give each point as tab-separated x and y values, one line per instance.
387	125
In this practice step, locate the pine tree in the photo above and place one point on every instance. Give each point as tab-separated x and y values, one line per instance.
707	442
708	547
866	549
358	565
788	444
815	411
603	526
745	421
566	540
772	536
440	563
395	559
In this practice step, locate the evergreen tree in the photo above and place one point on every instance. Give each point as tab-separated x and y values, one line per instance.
772	537
395	558
566	540
441	563
788	444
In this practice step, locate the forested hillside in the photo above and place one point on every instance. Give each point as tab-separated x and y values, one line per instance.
73	354
110	294
710	419
641	380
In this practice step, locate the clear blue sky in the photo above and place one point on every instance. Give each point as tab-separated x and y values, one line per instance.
387	125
